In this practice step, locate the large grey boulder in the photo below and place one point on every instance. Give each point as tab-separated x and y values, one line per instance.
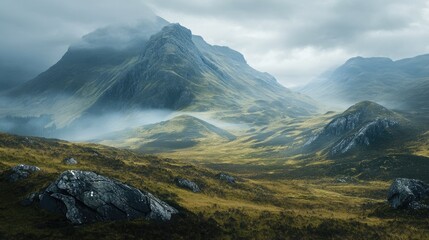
20	172
185	183
88	197
408	193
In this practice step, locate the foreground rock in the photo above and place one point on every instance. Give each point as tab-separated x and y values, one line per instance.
20	172
88	197
226	177
185	183
408	194
70	161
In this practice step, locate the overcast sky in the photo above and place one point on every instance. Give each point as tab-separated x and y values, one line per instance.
293	40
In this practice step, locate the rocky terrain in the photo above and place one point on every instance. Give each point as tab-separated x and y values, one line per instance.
364	125
85	197
408	194
20	172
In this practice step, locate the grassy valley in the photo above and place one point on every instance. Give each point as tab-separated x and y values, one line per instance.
295	208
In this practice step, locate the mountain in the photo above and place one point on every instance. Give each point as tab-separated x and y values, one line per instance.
401	84
363	127
180	132
155	65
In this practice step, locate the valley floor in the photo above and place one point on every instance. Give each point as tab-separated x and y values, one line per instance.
256	207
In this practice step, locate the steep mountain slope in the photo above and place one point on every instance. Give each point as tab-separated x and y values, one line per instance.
86	70
158	68
393	83
364	126
180	132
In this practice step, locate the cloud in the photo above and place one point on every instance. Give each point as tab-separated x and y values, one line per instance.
293	40
35	34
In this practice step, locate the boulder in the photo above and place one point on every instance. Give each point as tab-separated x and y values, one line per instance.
408	193
185	183
20	172
70	161
85	197
226	177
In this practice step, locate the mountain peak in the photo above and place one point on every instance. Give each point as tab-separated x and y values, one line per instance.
373	60
121	36
369	109
177	31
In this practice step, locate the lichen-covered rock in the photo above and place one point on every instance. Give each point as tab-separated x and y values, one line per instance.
70	161
21	171
88	197
408	193
185	183
226	177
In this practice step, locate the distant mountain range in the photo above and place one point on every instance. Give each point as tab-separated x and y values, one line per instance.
401	84
155	65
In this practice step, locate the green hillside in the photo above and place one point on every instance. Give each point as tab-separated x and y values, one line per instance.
180	132
256	207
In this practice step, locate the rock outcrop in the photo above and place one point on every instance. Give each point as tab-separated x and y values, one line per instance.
20	172
364	136
226	177
364	125
85	197
408	194
185	183
70	161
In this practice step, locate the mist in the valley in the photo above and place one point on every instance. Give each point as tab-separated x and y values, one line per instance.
96	127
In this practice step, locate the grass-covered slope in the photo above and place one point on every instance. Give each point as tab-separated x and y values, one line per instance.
254	208
180	132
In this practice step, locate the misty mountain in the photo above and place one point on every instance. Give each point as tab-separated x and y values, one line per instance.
155	65
363	127
401	84
13	76
180	132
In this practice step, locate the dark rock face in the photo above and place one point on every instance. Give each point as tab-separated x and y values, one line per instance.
185	183
70	161
226	177
364	136
365	125
408	194
342	124
85	197
21	171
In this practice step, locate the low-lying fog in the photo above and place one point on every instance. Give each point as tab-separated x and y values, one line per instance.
89	128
